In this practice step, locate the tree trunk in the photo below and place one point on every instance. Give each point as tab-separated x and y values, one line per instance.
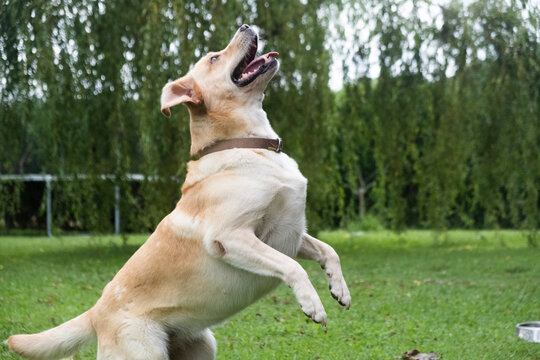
361	194
361	202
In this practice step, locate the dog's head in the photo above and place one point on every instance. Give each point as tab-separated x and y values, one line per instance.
223	81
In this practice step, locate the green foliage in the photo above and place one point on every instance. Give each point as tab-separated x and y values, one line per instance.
453	119
446	135
460	298
81	82
366	223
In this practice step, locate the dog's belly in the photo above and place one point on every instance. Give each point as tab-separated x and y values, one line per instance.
226	292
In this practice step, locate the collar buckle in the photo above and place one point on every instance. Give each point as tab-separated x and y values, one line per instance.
279	146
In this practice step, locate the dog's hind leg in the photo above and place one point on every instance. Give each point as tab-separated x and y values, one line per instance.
202	347
133	339
326	256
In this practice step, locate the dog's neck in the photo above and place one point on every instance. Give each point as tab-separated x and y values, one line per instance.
208	127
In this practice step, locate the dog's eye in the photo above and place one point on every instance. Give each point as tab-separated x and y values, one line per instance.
213	59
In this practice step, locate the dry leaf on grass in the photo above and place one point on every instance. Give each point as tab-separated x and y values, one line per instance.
417	355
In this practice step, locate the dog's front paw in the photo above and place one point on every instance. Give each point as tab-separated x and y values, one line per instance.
313	307
340	292
318	316
338	286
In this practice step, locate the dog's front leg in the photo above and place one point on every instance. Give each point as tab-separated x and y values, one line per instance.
326	256
242	249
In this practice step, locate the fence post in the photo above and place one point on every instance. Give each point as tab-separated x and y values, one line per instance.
49	215
116	209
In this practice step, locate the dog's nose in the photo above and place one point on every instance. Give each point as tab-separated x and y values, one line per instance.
244	27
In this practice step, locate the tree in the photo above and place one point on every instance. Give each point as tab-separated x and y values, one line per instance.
80	95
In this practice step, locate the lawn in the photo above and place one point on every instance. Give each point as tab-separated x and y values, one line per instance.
459	294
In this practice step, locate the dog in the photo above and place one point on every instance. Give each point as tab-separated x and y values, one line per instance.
231	238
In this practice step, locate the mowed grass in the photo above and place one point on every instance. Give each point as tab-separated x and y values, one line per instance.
459	294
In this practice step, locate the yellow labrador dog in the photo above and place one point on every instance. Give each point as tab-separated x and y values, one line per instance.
232	237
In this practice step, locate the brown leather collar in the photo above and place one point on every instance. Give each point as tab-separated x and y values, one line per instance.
243	143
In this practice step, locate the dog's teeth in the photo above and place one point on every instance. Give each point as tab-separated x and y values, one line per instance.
248	74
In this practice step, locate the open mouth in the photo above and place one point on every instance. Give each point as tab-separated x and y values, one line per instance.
250	67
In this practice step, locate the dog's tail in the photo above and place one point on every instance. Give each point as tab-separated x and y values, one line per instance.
56	343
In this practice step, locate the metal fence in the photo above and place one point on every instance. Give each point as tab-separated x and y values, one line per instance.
48	179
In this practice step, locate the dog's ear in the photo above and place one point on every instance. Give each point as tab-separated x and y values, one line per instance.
183	90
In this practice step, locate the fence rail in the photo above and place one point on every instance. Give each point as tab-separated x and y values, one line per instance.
48	179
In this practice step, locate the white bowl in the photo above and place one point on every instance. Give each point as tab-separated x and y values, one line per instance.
529	331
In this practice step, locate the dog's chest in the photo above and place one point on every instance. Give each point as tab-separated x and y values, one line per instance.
260	189
283	222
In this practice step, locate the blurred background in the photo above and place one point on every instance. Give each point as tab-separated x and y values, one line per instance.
402	114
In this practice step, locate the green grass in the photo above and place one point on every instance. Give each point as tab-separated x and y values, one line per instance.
459	295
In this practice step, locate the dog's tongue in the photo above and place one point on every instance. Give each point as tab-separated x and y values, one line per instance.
259	61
